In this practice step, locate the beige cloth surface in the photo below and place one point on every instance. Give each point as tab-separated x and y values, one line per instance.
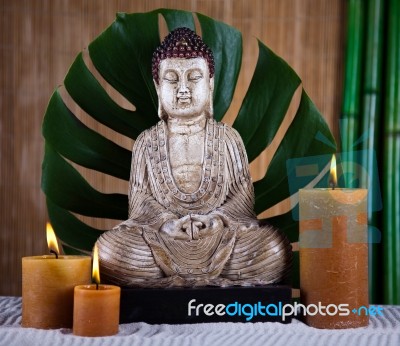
382	330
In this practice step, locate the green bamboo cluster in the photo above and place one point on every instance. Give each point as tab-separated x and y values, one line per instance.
391	178
351	99
371	118
370	129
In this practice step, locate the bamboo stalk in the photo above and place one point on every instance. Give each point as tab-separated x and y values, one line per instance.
391	182
370	129
352	86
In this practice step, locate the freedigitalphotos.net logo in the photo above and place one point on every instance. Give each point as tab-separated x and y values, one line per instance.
248	311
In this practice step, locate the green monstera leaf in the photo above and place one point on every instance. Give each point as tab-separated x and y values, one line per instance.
122	55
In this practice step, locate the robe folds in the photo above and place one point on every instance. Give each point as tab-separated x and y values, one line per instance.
240	252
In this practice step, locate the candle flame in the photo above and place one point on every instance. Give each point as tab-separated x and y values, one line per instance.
96	270
333	175
51	239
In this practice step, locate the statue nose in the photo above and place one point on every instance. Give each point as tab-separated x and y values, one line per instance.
183	89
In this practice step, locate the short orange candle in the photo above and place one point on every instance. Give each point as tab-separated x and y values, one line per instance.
96	307
48	287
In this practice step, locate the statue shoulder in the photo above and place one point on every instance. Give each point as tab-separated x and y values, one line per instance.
232	135
139	141
146	135
231	130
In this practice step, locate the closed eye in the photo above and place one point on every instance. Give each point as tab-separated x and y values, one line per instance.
171	77
195	76
170	80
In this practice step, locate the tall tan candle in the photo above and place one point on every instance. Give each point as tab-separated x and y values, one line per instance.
334	256
48	288
96	307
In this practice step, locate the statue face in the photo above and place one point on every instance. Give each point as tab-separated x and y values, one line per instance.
185	87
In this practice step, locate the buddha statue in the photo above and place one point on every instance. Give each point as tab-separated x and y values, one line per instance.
191	218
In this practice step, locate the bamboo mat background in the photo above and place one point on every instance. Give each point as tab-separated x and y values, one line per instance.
39	41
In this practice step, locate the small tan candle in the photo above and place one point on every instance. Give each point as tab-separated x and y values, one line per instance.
96	307
334	255
48	286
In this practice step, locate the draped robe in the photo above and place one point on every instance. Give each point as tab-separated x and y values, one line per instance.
136	253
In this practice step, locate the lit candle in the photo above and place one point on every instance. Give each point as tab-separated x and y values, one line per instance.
334	255
48	286
96	307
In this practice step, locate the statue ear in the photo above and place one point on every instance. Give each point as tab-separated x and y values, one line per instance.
211	99
161	114
156	86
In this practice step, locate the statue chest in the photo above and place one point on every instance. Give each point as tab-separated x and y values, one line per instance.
187	175
186	159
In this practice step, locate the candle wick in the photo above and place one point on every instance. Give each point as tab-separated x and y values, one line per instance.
97	286
54	252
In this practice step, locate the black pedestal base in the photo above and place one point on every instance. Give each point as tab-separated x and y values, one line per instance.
205	304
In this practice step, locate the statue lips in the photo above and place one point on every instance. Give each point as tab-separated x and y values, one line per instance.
184	100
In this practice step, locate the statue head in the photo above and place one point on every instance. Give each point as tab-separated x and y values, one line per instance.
183	73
